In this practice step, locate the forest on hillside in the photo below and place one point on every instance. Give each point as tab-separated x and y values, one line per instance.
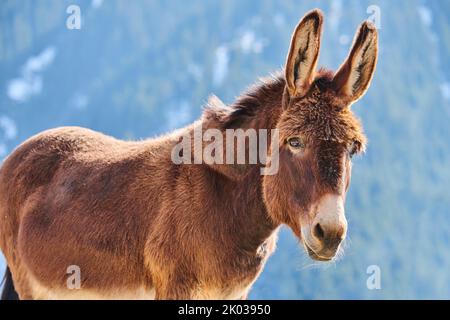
137	69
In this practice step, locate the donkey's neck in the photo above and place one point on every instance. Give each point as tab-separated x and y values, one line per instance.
258	108
255	224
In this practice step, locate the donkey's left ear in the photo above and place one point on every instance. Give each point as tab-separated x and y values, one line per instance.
354	76
303	53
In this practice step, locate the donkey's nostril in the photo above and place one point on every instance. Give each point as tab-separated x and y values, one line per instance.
318	232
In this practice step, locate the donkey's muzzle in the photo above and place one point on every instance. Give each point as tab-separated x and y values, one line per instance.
329	238
324	252
329	227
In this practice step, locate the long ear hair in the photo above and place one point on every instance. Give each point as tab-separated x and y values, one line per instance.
354	76
303	53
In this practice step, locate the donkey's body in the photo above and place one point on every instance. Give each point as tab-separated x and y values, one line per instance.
129	222
129	218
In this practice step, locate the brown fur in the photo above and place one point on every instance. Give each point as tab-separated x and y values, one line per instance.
133	220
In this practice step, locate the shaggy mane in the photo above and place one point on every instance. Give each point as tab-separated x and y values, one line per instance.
255	97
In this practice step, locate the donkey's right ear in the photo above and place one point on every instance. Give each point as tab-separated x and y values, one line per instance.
354	76
303	53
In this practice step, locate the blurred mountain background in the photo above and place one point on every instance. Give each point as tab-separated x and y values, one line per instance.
140	68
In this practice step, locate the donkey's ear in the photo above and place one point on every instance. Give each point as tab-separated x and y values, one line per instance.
353	77
303	53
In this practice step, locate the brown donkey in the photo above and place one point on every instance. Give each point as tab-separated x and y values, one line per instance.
131	223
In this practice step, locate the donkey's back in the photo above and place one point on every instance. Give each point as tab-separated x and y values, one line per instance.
72	197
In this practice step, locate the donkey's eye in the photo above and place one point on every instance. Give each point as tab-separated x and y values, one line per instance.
296	143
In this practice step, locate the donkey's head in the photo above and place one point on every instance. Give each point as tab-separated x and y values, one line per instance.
318	137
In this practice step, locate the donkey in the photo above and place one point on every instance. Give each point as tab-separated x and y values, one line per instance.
134	225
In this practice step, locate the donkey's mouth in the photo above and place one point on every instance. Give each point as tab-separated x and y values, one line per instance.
314	255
